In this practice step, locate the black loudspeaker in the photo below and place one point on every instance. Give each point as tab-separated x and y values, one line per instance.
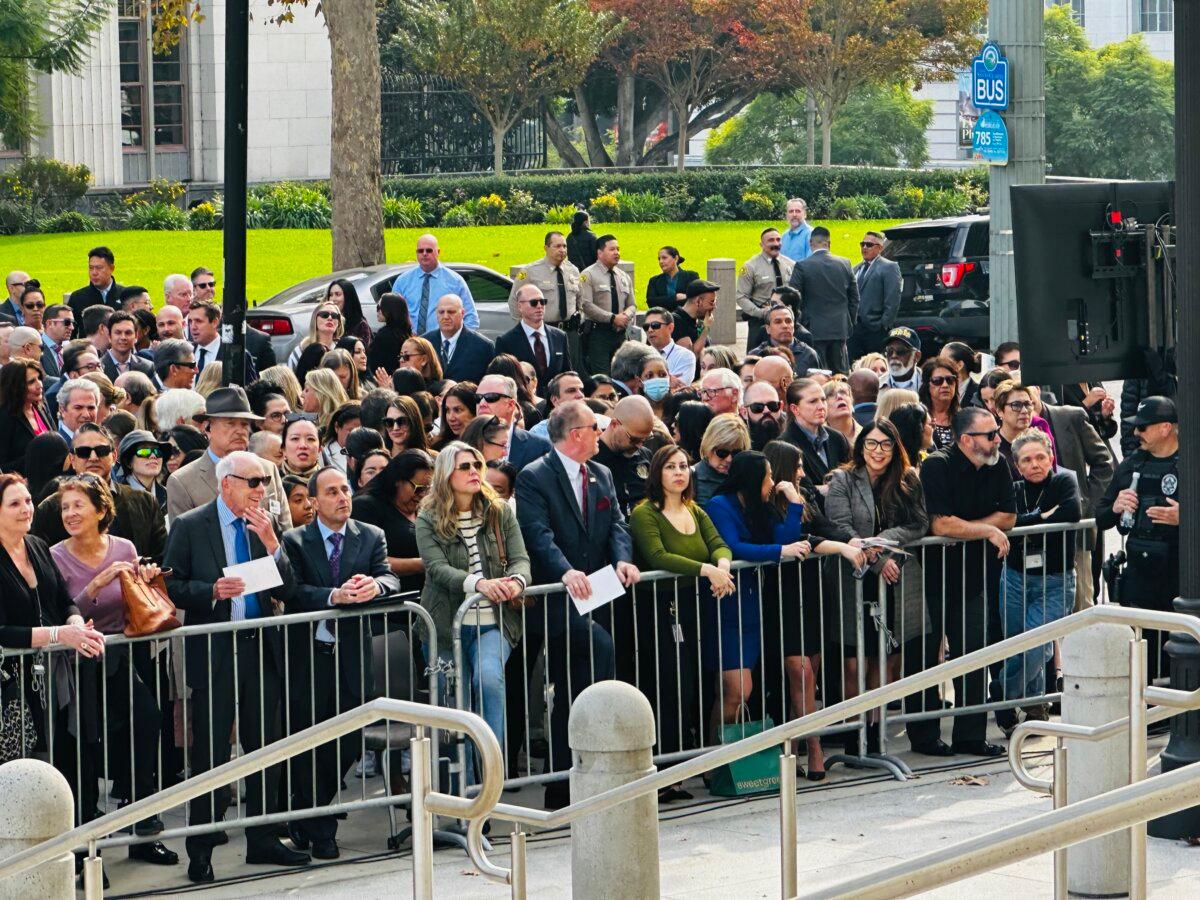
1083	294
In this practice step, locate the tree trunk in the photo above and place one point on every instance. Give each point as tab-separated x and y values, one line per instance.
626	100
681	114
558	137
826	138
810	110
498	134
354	183
597	155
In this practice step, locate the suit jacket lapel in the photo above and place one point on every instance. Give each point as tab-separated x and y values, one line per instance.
216	540
315	547
565	483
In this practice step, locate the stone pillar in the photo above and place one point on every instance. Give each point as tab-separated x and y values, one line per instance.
1096	691
724	324
614	854
37	806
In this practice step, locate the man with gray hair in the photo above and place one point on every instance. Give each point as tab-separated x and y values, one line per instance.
721	389
795	244
177	406
78	401
627	366
175	363
497	396
178	292
25	343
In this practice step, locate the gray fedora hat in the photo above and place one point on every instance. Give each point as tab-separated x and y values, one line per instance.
227	403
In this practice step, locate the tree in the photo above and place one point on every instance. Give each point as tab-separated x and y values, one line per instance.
877	127
40	36
508	55
1110	112
861	42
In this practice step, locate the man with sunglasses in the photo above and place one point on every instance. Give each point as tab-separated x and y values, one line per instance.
175	364
497	396
660	329
533	340
902	349
879	283
623	449
428	280
10	309
969	496
763	412
58	324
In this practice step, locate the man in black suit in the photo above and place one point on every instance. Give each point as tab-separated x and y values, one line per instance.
122	342
497	396
102	287
337	562
879	283
822	448
572	524
204	287
204	325
10	309
464	354
533	341
58	324
828	300
234	676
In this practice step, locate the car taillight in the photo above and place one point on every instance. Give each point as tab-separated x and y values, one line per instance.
953	273
276	326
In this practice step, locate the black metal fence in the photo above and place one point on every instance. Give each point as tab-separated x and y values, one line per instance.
429	125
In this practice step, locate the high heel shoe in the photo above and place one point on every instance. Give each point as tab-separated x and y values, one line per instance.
815	776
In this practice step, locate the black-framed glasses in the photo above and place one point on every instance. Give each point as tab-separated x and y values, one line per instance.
254	481
887	445
493	397
34	305
278	416
535	301
470	465
399	422
423	250
102	451
654	326
154	452
185	364
869	244
897	352
497	444
205	285
708	393
63	321
771	406
405	357
943	380
328	314
986	435
723	453
1012	365
636	439
419	490
1019	405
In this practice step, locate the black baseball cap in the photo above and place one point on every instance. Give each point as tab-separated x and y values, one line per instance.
904	335
1153	410
700	286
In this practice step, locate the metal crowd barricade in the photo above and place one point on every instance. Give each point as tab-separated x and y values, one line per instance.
96	713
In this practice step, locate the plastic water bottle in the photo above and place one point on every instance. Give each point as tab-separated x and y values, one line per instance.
1127	517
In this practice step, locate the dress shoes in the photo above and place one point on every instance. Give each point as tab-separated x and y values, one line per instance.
200	871
558	795
937	748
978	748
299	838
155	852
220	838
325	848
274	853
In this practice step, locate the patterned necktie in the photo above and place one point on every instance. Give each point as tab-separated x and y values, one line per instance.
616	299
335	558
241	553
583	505
778	272
539	354
562	294
423	309
445	351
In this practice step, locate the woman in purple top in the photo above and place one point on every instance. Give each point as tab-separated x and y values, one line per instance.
90	561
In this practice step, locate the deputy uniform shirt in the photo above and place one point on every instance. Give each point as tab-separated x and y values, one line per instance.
543	275
595	293
1149	545
757	282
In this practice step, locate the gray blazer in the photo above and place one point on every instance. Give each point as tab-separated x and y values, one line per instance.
1079	447
879	294
196	484
851	504
828	295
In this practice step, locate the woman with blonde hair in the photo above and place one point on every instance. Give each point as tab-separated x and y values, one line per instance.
208	380
287	382
725	437
892	399
876	362
322	395
324	328
341	363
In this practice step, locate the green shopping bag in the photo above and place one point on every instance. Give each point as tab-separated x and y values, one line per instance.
755	774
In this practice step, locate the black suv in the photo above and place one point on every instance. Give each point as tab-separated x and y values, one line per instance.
945	267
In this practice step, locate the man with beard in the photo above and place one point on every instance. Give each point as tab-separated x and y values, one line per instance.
903	352
969	496
822	448
763	412
781	332
623	451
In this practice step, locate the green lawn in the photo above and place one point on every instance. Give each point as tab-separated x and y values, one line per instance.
278	259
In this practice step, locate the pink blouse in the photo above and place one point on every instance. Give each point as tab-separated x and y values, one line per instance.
107	609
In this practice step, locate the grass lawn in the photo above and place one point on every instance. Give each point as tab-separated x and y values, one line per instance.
281	258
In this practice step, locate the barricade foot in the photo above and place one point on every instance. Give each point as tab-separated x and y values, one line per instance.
443	839
879	761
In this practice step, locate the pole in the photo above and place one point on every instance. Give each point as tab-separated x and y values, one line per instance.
810	119
1016	25
237	80
1184	747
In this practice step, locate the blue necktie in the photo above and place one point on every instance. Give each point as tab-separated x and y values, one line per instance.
335	558
241	552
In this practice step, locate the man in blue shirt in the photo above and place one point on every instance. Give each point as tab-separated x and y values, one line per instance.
795	239
424	285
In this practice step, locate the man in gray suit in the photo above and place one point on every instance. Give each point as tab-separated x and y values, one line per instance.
879	282
828	300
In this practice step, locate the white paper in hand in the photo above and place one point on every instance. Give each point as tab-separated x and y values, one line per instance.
606	587
258	574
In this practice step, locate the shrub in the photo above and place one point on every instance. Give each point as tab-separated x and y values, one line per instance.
944	202
291	205
459	216
403	212
605	208
523	209
871	207
207	216
68	221
713	208
15	217
157	217
845	208
756	206
161	190
559	215
41	183
906	200
640	207
678	203
490	210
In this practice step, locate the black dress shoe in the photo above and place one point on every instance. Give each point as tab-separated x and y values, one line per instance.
220	839
558	795
200	871
325	849
155	852
148	827
273	853
937	748
299	838
979	748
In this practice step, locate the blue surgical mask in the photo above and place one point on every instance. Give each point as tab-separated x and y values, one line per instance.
656	388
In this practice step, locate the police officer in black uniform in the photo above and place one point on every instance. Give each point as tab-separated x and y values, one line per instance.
623	451
1148	516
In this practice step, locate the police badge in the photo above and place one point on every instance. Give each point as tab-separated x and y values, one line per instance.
1170	484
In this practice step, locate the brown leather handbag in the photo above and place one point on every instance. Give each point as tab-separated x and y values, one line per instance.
148	609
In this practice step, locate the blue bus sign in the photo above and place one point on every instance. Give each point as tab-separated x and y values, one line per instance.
990	78
989	139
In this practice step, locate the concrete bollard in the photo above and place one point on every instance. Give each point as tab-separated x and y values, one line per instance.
725	317
614	854
37	806
1096	691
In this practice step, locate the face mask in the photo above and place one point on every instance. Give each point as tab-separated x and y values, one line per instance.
656	388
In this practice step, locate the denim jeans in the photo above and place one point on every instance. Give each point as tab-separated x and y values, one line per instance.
1028	601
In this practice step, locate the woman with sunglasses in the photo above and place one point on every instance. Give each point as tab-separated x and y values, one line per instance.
458	411
390	501
878	494
142	461
471	544
418	354
939	395
488	435
23	412
342	294
33	304
403	428
725	436
325	327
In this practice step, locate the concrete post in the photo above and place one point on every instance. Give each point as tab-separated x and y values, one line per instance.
614	854
1096	691
37	806
724	324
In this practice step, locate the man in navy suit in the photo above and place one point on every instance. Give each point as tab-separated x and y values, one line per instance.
572	525
464	353
533	341
497	396
121	356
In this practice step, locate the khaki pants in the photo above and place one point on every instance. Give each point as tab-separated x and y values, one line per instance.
1084	587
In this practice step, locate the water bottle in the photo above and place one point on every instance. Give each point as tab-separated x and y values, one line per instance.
1127	517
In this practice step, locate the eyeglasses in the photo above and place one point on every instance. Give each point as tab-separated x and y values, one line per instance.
421	251
594	427
149	453
103	451
654	326
896	352
772	406
723	453
185	364
419	490
205	285
943	380
497	444
64	322
34	305
276	416
473	465
88	367
887	445
986	435
636	439
328	314
708	393
390	423
407	356
1012	365
492	397
535	301
869	244
254	481
1019	405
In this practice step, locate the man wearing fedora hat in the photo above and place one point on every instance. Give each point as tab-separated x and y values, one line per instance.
226	420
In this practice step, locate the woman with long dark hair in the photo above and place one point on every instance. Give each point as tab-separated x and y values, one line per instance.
23	412
344	295
46	459
390	501
458	409
966	363
667	289
691	422
358	352
581	242
915	428
395	329
939	394
361	443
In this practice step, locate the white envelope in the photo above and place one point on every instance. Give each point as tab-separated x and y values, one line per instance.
606	587
258	574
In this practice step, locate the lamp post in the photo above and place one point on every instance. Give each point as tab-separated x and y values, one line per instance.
237	72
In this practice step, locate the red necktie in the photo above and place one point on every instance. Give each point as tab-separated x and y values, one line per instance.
539	354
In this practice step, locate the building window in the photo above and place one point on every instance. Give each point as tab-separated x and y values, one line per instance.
1157	15
166	70
1076	9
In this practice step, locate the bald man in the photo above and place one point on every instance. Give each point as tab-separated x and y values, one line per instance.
623	449
14	284
429	280
864	389
463	353
764	414
776	371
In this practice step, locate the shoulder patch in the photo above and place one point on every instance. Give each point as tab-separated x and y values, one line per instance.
583	277
521	276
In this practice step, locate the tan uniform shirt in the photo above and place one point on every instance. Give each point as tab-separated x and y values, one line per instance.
542	274
757	281
595	292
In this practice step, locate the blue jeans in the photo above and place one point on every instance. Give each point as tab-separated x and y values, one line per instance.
1026	602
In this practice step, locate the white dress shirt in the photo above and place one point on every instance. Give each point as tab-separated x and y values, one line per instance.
574	475
530	332
210	353
681	362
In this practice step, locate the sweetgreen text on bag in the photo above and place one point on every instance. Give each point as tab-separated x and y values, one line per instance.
756	774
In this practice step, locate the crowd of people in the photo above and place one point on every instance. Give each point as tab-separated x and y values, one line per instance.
415	455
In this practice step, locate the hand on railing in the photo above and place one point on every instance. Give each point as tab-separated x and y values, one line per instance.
796	550
999	540
82	637
628	573
890	572
499	590
719	579
577	583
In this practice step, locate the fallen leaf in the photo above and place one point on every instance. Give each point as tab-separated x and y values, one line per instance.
1193	841
971	781
470	872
